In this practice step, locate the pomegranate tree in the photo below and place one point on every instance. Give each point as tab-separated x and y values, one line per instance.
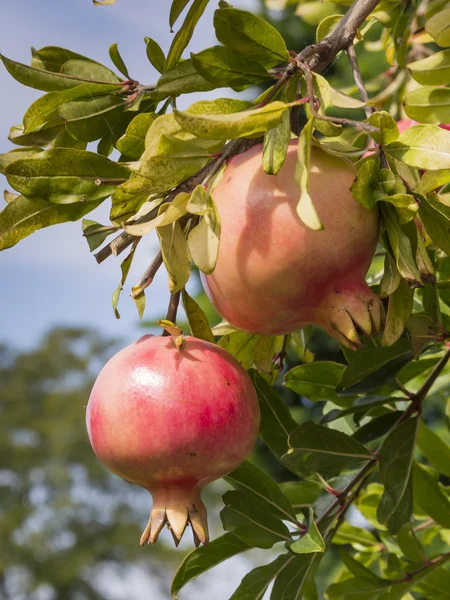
273	274
171	421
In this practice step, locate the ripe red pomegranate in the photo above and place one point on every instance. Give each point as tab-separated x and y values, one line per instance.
172	421
273	274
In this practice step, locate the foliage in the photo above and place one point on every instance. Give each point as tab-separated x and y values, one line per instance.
370	447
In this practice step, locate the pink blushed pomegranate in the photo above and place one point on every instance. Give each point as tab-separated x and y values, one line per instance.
172	421
273	274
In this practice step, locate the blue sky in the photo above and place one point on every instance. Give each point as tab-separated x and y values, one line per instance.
50	278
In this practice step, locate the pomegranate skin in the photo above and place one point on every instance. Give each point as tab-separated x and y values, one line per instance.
273	274
171	421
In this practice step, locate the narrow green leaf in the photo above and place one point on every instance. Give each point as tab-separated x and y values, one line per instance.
255	584
132	143
400	244
65	175
434	448
395	460
202	559
357	537
391	277
315	448
225	68
399	311
316	381
204	239
175	253
291	581
176	9
21	217
301	493
305	207
52	58
388	130
432	180
373	367
117	59
240	345
125	268
198	322
228	126
428	105
435	215
250	479
17	154
249	520
89	71
248	34
429	497
423	146
311	541
95	233
184	35
183	79
438	26
155	54
276	420
276	142
432	70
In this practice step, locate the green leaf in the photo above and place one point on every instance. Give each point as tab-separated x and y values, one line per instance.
249	520
21	217
117	59
183	79
399	310
45	108
423	146
17	154
250	479
391	277
291	581
175	254
388	130
202	559
409	544
356	588
225	68
432	180
204	239
432	70
125	268
428	105
184	35
301	493
240	345
305	207
359	407
326	26
276	420
315	448
434	448
255	583
198	322
176	9
358	569
264	351
338	98
250	35
40	79
132	143
373	367
357	537
400	244
65	175
435	585
130	197
435	215
276	142
155	54
95	233
90	119
170	162
438	26
235	125
395	463
429	496
377	427
52	58
311	540
316	381
366	182
43	137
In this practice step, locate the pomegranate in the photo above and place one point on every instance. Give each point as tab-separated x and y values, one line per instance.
172	421
273	274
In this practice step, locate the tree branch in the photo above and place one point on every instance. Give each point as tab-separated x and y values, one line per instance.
148	276
359	80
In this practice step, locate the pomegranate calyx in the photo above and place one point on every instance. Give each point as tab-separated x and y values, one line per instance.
177	508
175	332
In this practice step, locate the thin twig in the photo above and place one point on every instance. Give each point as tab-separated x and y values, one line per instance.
148	276
359	80
172	309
